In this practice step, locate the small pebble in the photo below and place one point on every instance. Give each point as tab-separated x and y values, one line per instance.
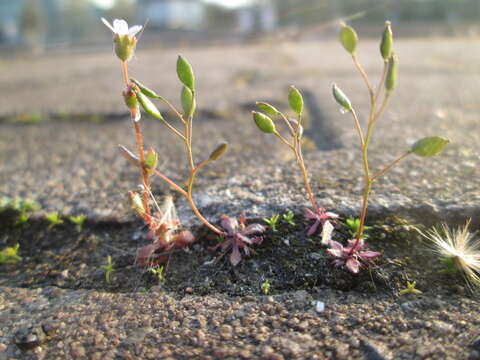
320	307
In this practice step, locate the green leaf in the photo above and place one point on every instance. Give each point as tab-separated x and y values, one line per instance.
145	91
185	73
149	107
391	79
219	151
349	39
429	146
264	123
386	44
187	101
341	98
295	100
268	109
10	255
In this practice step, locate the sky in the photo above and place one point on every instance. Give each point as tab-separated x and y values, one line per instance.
226	3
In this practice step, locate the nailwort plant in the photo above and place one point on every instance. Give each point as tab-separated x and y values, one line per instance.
165	228
355	254
264	119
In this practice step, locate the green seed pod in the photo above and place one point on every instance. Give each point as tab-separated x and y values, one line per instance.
145	91
188	101
295	100
267	109
349	39
429	146
185	73
341	98
218	152
149	107
391	79
386	45
151	159
125	46
264	123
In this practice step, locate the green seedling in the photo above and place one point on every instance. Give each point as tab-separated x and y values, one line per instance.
266	287
410	289
379	97
158	272
10	255
22	207
272	222
78	220
54	219
288	218
293	139
353	225
164	234
108	268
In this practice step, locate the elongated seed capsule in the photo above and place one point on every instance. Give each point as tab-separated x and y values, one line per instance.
188	101
149	107
429	146
145	90
267	109
185	73
295	100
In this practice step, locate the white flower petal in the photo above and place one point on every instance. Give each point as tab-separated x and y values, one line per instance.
120	26
134	30
107	24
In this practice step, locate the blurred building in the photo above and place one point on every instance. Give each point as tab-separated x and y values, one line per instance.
173	14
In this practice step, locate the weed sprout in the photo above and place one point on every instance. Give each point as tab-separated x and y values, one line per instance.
351	256
164	235
264	120
10	255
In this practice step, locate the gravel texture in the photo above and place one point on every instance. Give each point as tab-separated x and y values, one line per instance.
73	167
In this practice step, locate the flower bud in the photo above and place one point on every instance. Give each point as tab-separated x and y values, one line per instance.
151	159
136	203
125	46
295	100
341	98
188	101
130	97
387	42
349	38
218	152
264	123
391	79
185	73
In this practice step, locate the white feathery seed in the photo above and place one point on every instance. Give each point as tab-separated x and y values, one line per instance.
460	246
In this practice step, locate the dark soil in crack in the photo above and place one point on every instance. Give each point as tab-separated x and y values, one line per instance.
287	260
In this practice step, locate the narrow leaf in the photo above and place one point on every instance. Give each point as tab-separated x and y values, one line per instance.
129	156
149	107
268	109
145	90
219	151
429	146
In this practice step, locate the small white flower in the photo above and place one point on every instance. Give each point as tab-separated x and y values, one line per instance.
120	27
458	248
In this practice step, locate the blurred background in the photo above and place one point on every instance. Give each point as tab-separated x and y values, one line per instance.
64	25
